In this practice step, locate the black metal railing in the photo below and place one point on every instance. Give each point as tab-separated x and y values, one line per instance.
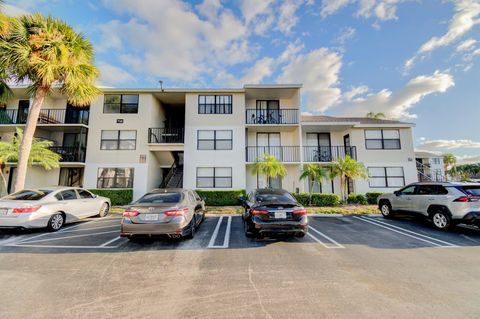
70	153
282	153
166	135
282	116
47	116
327	153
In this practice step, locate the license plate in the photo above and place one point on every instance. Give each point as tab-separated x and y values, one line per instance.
3	211
150	217
280	215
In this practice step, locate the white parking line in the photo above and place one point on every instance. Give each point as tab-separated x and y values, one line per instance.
327	245
65	237
69	247
226	240
408	233
110	241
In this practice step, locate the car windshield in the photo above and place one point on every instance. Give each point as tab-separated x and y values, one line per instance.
471	190
275	198
28	194
160	198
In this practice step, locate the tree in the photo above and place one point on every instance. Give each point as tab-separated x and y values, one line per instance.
347	168
40	153
46	53
374	115
5	92
449	162
314	173
270	167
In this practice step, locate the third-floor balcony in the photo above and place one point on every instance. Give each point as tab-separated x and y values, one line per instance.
166	135
47	116
272	117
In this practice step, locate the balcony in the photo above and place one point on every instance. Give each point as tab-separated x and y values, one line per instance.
272	117
70	154
47	116
166	135
286	154
322	154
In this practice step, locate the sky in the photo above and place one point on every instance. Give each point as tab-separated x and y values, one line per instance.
414	60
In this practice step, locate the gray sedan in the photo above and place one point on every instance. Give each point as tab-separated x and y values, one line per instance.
173	212
50	207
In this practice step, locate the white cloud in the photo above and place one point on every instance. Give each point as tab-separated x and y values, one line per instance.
468	159
346	34
466	45
318	70
253	75
330	7
14	11
381	9
112	75
440	144
397	105
355	91
287	18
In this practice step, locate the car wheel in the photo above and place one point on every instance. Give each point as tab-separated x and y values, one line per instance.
441	220
103	210
248	231
300	235
191	230
56	222
386	210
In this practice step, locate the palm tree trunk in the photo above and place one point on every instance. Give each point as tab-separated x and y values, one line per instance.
4	183
311	192
26	143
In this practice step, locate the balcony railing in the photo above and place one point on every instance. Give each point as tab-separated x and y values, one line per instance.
70	153
327	153
282	116
166	135
47	116
282	153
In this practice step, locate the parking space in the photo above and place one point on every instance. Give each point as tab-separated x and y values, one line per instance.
226	232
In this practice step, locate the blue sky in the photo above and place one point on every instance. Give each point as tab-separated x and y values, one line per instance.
416	60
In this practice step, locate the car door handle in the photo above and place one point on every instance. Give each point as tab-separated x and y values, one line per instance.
431	199
409	199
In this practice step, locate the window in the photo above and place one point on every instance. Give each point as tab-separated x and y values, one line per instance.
215	140
118	140
386	177
69	194
162	198
214	104
115	178
410	190
120	103
28	195
84	194
214	177
436	161
382	139
431	190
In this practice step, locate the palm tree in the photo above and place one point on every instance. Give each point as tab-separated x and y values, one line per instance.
40	153
449	162
314	173
347	168
374	115
48	54
5	92
270	167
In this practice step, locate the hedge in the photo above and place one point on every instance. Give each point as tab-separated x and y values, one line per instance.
318	199
357	199
372	197
221	198
118	197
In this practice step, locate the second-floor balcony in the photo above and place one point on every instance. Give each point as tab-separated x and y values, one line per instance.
166	135
47	116
287	154
323	154
70	154
272	117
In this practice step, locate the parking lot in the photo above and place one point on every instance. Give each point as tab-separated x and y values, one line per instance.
348	266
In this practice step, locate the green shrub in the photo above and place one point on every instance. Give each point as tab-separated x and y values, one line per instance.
372	197
318	199
221	198
357	199
118	197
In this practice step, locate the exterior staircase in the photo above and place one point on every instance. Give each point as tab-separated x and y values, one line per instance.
424	174
174	177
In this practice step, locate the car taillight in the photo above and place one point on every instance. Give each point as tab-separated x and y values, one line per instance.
20	210
466	199
258	212
177	212
130	213
300	212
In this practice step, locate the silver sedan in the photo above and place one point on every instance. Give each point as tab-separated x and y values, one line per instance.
50	207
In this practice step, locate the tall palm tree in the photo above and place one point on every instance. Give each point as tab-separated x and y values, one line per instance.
47	53
5	92
347	168
449	162
314	173
374	115
40	153
270	167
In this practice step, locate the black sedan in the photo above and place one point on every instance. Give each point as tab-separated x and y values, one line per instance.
273	211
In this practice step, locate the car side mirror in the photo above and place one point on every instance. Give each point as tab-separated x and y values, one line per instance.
242	198
397	193
96	196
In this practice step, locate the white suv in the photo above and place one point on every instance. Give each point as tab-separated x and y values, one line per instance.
445	204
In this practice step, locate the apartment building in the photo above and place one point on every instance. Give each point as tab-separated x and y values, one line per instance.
430	167
207	139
